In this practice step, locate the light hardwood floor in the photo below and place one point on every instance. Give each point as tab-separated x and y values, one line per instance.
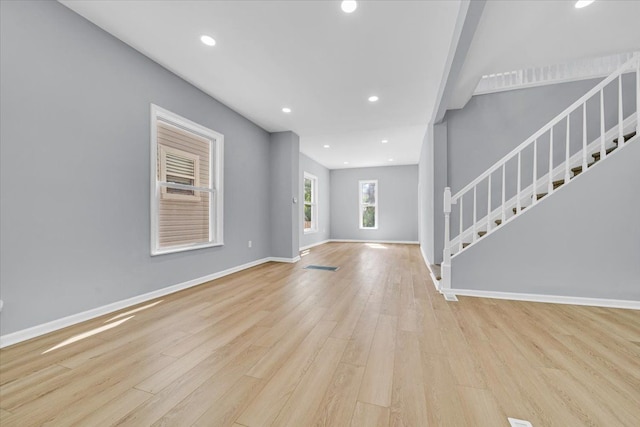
372	344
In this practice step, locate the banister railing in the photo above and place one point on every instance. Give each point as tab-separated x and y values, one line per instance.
576	111
627	66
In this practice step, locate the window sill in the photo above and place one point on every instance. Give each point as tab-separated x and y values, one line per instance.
185	248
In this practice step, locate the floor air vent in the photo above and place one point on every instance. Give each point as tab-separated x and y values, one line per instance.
519	423
321	267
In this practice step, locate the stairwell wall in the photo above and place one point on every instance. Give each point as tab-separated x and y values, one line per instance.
582	241
492	125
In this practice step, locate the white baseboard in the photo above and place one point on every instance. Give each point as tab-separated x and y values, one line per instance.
554	299
288	260
436	283
45	328
399	242
314	244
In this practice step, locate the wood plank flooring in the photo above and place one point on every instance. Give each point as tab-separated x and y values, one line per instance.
372	344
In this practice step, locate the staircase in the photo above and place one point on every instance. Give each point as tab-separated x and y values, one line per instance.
585	134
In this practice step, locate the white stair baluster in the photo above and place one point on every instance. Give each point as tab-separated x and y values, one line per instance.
489	205
638	95
504	208
461	225
518	205
603	150
584	135
550	188
445	273
475	206
620	114
534	182
567	166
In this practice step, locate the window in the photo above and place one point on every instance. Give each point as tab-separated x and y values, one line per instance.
368	194
186	184
310	203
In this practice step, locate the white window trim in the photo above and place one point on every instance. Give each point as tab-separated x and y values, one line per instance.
314	204
216	175
363	205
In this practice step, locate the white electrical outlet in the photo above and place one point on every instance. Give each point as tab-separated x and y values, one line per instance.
250	243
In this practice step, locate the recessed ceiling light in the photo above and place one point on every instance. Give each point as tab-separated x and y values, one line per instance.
346	163
286	110
384	141
349	6
208	40
373	98
391	160
326	146
583	3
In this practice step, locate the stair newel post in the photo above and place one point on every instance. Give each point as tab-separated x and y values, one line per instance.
568	151
489	205
445	283
475	210
550	188
603	150
620	114
584	136
518	203
504	186
638	94
534	182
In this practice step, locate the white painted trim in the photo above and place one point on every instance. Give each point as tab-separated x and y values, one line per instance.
436	283
399	242
216	181
626	68
302	248
54	325
287	260
554	299
315	221
557	173
362	205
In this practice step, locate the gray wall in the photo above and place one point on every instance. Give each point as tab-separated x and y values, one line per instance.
582	241
284	156
397	204
440	181
324	201
426	196
74	216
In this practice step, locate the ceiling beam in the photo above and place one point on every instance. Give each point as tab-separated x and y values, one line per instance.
466	25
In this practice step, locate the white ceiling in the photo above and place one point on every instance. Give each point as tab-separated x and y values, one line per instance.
513	35
306	55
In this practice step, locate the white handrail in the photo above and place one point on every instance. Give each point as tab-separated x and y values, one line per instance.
627	66
633	65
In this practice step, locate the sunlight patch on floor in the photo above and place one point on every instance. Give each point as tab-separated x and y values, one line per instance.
87	334
144	307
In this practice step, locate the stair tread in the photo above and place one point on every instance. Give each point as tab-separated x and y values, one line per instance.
578	169
596	156
626	137
521	209
540	195
498	221
464	245
481	233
